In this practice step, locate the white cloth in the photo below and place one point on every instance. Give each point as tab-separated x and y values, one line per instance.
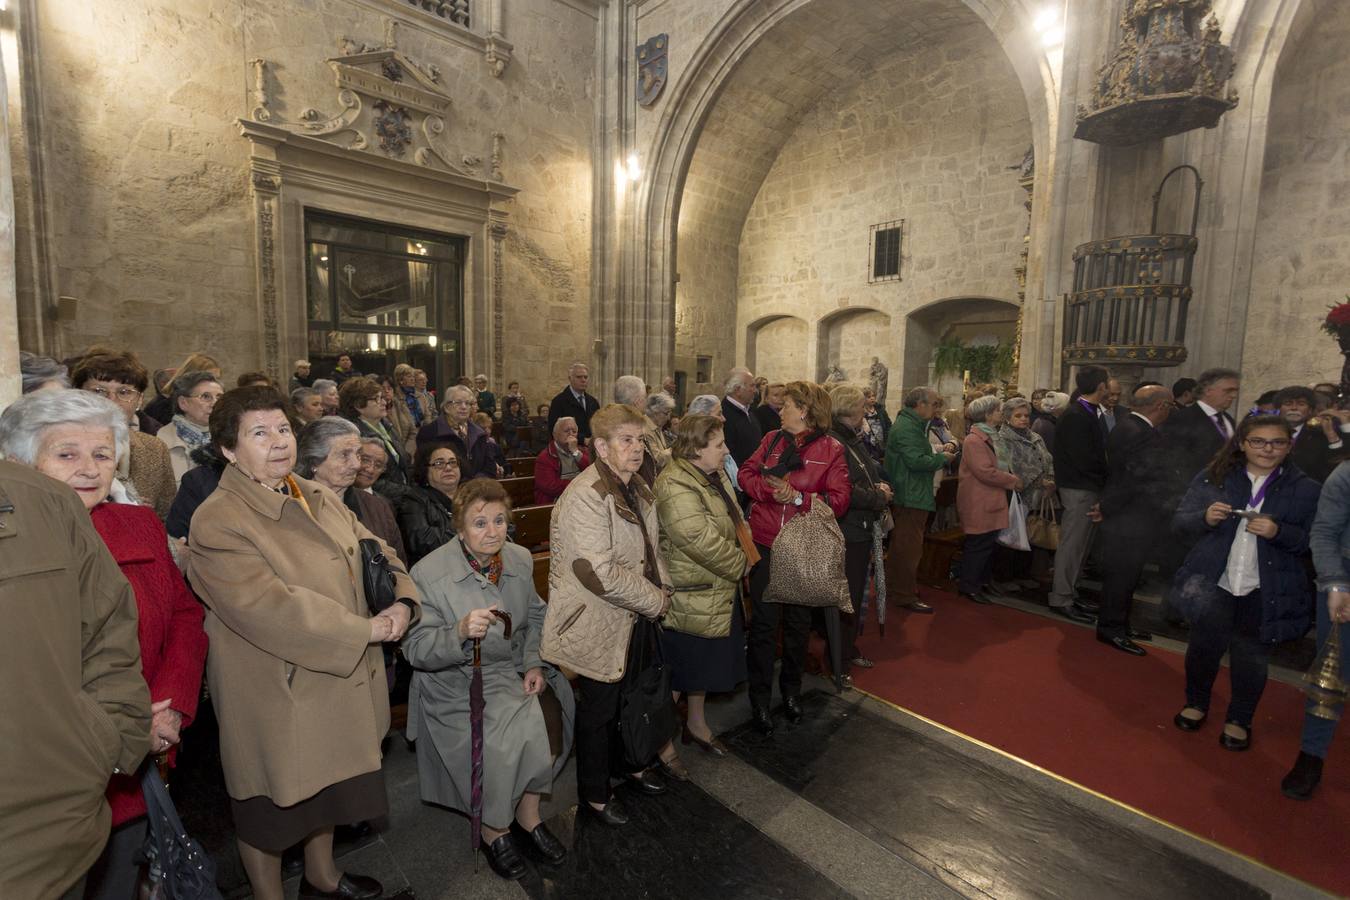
1243	574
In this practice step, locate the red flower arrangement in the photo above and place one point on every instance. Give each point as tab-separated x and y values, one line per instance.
1338	319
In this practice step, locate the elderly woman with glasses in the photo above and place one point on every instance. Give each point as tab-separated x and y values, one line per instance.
363	402
192	396
426	507
331	451
296	667
982	496
77	438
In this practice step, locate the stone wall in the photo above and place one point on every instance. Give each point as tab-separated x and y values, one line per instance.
1302	260
150	221
780	350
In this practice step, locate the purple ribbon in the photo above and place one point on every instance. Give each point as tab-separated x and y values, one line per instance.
1094	410
1261	494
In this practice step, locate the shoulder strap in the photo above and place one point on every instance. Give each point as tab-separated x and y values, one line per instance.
861	464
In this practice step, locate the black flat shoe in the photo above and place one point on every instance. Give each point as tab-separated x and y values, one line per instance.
1140	635
648	782
612	813
1186	723
918	606
763	722
1123	644
714	748
548	844
1237	745
861	662
1087	606
977	597
504	858
792	708
1075	613
1302	779
350	887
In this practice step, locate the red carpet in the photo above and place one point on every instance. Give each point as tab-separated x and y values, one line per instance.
1050	694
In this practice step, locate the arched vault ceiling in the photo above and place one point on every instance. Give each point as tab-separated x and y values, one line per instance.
820	48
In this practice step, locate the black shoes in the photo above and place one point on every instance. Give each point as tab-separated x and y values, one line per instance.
1075	613
714	748
1140	635
1185	723
977	597
612	814
649	783
1123	644
1088	607
544	841
674	769
792	708
1302	779
1228	742
350	887
918	606
861	662
504	858
763	722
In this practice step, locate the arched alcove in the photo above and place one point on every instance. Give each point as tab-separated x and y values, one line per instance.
775	347
850	338
973	319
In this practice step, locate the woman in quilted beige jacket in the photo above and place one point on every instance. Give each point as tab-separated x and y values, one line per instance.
607	586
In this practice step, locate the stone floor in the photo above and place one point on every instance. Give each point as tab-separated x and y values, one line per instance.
861	800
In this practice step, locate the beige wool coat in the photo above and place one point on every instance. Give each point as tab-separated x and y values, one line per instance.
595	577
299	691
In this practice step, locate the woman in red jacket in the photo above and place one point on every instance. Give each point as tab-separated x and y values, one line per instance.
783	478
76	437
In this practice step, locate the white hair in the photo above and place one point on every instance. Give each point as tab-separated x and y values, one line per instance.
558	424
26	420
316	442
1054	401
980	408
630	389
456	387
734	379
660	402
577	365
705	405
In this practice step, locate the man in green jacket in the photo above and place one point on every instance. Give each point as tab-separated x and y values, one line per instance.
910	464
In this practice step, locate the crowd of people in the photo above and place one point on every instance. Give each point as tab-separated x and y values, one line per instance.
294	546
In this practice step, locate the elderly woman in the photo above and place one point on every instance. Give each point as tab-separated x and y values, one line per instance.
792	468
121	378
329	451
77	438
473	444
484	400
982	496
362	401
296	668
40	373
1053	405
658	410
163	407
876	426
308	405
514	418
868	502
405	393
704	635
559	462
193	396
607	587
398	415
1025	453
425	507
328	395
464	585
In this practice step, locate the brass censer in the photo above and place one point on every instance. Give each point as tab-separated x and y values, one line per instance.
1325	687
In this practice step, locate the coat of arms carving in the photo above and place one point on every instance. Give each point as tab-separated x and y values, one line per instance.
651	59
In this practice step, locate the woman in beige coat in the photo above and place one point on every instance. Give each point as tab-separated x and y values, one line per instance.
296	669
607	586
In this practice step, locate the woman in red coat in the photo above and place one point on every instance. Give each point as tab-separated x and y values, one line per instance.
783	477
982	496
76	437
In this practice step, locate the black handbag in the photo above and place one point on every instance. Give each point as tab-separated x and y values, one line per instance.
647	717
179	868
378	577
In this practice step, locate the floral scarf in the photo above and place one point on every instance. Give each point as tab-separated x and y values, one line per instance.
492	572
194	436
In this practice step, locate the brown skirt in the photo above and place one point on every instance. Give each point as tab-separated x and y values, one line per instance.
260	823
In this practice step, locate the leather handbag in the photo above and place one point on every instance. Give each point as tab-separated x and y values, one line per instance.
378	577
806	567
179	869
1043	526
647	716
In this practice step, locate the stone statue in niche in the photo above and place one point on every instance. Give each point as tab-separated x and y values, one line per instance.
878	375
835	374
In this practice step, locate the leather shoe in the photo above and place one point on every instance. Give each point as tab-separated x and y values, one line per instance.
714	748
763	722
1302	779
1088	607
1135	635
1075	613
349	887
792	708
648	782
548	844
918	606
1122	643
861	662
1186	723
674	769
612	813
977	597
1228	742
504	858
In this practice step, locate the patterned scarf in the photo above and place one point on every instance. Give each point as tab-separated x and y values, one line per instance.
414	407
194	436
492	573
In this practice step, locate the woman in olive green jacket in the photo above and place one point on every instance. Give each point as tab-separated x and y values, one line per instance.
704	640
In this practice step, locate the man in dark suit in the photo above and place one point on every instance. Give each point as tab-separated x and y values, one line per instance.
575	402
742	430
1318	448
1131	509
1080	474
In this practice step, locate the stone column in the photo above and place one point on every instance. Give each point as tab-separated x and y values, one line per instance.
10	383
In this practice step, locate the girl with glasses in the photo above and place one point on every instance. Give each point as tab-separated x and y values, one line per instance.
1243	586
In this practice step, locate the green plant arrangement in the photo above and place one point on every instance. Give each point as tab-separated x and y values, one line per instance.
986	363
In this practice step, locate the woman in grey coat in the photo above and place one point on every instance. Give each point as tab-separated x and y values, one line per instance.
528	705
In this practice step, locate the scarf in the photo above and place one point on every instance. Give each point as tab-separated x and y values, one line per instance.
715	479
992	433
630	497
492	572
1027	459
194	436
414	405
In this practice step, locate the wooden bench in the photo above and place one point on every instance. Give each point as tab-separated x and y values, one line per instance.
520	490
532	523
541	575
940	550
522	466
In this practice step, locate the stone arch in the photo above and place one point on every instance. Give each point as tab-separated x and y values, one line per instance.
849	338
965	316
785	341
651	299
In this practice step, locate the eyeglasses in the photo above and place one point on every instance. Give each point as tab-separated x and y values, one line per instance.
1274	444
122	393
207	398
372	462
442	463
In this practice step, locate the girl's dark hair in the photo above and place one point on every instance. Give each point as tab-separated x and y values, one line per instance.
1232	456
422	460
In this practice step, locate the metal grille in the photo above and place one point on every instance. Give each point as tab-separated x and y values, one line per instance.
456	11
885	251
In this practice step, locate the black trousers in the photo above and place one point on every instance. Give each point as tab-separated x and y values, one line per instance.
1127	549
977	557
857	557
760	651
599	746
1232	625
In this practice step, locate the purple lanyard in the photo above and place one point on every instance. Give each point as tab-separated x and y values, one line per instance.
1093	410
1261	494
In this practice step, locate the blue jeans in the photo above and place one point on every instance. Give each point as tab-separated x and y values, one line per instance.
1233	625
1317	731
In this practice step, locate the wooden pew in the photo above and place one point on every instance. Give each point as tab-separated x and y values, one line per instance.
522	466
532	524
541	575
520	490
